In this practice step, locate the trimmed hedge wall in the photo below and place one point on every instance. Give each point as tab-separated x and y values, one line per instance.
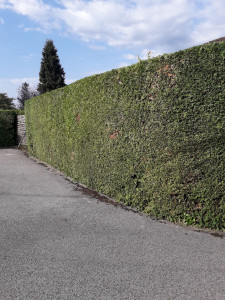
8	127
150	135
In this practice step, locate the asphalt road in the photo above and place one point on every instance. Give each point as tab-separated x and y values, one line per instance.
58	243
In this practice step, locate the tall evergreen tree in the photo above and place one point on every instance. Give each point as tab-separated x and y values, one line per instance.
51	75
25	93
6	102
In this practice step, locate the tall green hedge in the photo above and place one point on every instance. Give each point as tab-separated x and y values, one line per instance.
8	127
150	135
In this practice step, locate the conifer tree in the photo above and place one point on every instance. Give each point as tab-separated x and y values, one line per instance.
25	93
51	75
6	102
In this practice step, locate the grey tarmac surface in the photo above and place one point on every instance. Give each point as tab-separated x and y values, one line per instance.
58	243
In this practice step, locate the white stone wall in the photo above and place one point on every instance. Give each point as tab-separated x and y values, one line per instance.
21	130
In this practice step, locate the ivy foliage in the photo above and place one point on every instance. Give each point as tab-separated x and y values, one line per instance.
8	127
151	135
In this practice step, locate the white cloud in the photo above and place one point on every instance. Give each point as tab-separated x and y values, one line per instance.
130	56
27	58
94	72
144	54
69	81
45	15
97	47
211	21
123	64
10	85
19	81
157	24
4	4
27	29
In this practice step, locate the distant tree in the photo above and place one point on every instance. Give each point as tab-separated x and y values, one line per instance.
25	93
51	75
6	102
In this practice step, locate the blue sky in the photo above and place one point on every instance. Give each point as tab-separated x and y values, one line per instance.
94	36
